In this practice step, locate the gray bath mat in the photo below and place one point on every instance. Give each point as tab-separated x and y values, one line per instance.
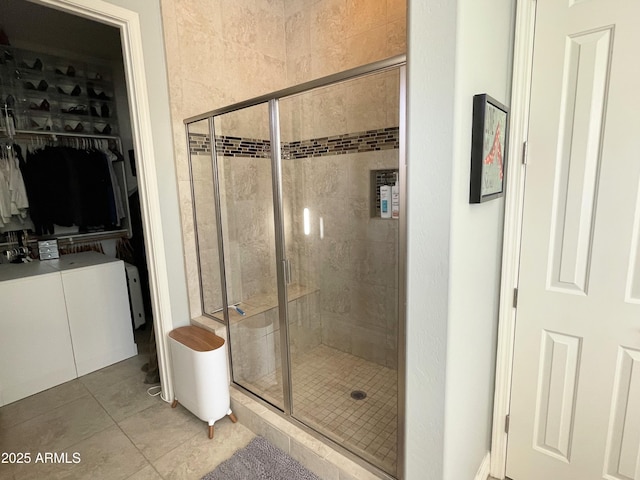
260	461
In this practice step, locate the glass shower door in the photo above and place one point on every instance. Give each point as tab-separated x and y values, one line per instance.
339	147
297	218
243	153
205	219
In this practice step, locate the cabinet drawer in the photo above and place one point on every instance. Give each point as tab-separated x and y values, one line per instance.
47	243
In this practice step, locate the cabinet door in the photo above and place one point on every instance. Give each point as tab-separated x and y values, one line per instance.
99	316
35	345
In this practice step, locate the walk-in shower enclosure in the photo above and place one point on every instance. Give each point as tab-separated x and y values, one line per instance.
298	200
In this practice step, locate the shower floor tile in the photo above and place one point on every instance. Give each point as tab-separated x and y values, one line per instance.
323	380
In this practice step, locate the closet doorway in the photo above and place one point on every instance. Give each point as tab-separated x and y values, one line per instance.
83	117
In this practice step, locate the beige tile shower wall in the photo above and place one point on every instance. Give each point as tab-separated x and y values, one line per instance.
218	52
329	36
248	214
305	325
203	195
368	103
353	260
223	51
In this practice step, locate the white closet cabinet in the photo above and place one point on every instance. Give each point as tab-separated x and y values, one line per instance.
61	319
95	291
35	345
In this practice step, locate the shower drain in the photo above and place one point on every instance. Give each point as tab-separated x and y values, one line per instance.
358	395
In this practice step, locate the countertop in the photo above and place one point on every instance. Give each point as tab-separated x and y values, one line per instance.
15	271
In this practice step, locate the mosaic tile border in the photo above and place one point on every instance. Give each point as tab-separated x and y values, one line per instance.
367	141
200	143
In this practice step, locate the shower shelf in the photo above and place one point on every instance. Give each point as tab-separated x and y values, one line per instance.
261	303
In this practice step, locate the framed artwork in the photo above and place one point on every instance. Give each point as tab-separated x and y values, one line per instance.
488	149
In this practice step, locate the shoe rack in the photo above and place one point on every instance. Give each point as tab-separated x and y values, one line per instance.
41	92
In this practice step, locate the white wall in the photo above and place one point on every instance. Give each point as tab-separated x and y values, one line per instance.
430	130
158	94
456	50
483	65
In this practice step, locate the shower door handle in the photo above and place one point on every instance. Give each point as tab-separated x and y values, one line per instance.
287	271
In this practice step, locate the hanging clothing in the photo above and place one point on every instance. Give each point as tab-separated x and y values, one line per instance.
68	186
119	204
5	194
19	200
13	197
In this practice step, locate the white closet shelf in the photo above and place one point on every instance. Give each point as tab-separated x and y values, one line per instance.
61	134
70	238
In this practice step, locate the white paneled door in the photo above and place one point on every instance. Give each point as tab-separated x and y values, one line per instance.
575	401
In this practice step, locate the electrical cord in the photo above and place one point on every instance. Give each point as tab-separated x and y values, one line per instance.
154	394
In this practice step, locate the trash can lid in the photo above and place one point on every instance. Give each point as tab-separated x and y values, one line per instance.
197	338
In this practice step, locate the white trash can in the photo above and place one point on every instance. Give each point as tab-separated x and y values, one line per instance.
200	375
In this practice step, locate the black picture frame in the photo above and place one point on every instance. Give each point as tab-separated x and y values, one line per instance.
489	147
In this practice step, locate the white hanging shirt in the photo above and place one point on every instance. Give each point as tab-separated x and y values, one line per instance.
5	191
19	200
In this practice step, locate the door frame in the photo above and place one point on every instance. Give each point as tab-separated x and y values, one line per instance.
512	236
128	22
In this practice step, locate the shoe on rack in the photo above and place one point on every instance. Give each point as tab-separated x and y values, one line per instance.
105	131
74	93
43	86
44	105
104	111
76	110
92	94
78	128
71	71
37	65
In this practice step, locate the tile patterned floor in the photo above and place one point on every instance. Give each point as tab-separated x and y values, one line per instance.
323	380
118	430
